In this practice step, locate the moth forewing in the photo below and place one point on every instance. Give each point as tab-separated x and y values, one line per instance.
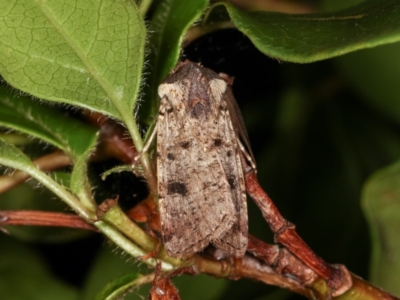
237	119
200	177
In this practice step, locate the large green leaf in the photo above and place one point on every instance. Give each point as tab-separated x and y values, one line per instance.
313	37
82	52
45	123
169	24
381	202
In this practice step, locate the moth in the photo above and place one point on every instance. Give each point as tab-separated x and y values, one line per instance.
202	196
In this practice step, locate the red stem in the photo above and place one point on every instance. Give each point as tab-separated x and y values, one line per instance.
338	278
42	218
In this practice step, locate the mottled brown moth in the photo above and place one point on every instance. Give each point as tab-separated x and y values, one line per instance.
201	186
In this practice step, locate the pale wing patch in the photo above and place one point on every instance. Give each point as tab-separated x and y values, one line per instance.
218	87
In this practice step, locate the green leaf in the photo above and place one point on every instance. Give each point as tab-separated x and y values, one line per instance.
70	135
312	37
106	267
117	169
45	123
169	24
79	183
86	53
11	156
23	275
118	287
381	203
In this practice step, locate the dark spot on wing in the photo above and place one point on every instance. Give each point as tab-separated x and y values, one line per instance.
177	188
232	182
170	110
229	153
167	235
185	145
235	227
170	156
217	142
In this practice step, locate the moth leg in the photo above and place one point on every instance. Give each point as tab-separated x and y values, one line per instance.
145	148
246	154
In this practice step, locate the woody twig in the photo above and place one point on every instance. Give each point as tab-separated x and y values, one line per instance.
337	277
43	218
270	264
283	261
260	268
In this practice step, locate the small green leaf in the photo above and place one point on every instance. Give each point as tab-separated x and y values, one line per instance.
79	181
117	288
11	156
117	169
381	203
45	123
86	53
312	37
106	267
169	24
